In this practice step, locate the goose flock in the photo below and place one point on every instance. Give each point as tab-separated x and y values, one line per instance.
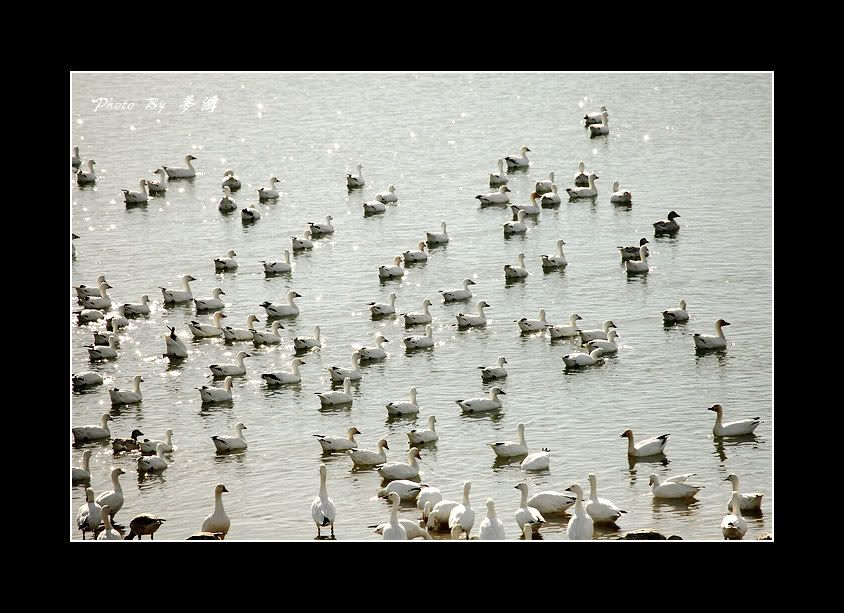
403	472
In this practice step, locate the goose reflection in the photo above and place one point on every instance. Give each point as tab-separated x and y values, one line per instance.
632	461
675	506
723	442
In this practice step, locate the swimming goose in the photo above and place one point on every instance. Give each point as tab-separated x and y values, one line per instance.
427	498
500	177
160	186
526	515
357	180
456	295
407	490
551	198
380	308
268	193
127	396
518	161
264	337
101	338
134	310
85	379
488	373
416	256
543	187
476	405
108	533
402	470
394	531
580	526
386	272
648	447
86	177
705	341
602	128
332	397
213	303
678	315
227	203
581	179
122	322
204	330
210	394
101	302
584	192
138	197
595	117
283	310
75	160
551	502
276	267
462	517
241	334
338	443
413	530
353	373
497	197
569	331
670	489
518	271
83	472
667	226
83	291
734	526
416	342
321	229
153	463
182	173
437	238
601	510
404	408
174	296
491	528
231	443
113	497
227	262
231	181
593	335
439	513
470	321
374	353
632	253
103	352
301	244
539	460
620	196
733	428
517	226
285	378
415	319
640	266
510	449
249	214
323	510
533	325
365	457
747	502
387	196
530	210
90	514
301	343
429	435
218	521
607	346
143	524
555	261
149	445
222	370
373	208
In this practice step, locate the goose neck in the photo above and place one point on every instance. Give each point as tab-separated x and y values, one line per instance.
188	162
86	460
413	396
115	481
718	330
523	504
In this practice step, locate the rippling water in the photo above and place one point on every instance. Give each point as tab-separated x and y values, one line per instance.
699	144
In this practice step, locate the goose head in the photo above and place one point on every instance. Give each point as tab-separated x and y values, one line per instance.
380	339
628	434
496	391
230	253
355	359
228	173
414	455
522	487
394	499
592	177
612	335
467	283
137	380
351	432
608	324
431	421
187	279
391	188
501	360
161	173
672	215
397	260
145	299
217	291
217	317
603	109
291	295
381	444
328	219
250	320
482	305
219	489
421	246
717	408
524	150
241	355
273	181
116	472
503	189
578	491
295	363
189	158
653	480
238	428
733	478
573	318
104	419
721	323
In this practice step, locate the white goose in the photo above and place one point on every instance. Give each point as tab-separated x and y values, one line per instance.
134	310
402	470
462	517
551	198
86	378
500	177
477	405
321	229
651	446
594	335
268	193
250	214
473	321
437	238
551	502
498	197
632	252
667	226
526	515
300	343
160	186
301	244
113	497
101	302
581	179
555	261
290	309
323	510
595	117
153	463
285	378
580	527
103	352
86	177
427	498
90	514
417	342
531	210
241	334
353	373
510	449
678	315
356	180
200	330
108	533
239	368
518	271
488	373
584	192
387	196
218	522
231	443
83	291
213	303
138	197
640	266
231	181
705	341
420	255
439	513
127	396
227	203
407	490
607	346
83	471
428	435
671	489
210	394
173	296
733	428
386	272
278	267
533	325
75	160
379	309
374	353
413	530
457	295
538	460
516	226
182	173
338	443
734	526
518	161
375	207
404	408
601	510
414	319
227	262
543	187
620	196
264	337
602	128
569	331
366	457
747	502
491	528
150	445
332	397
394	531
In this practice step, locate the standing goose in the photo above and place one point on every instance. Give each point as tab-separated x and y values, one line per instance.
387	196
210	394
132	396
539	460
249	214
601	334
437	238
648	447
264	337
488	373
734	526
516	272
640	266
86	177
239	368
278	267
429	435
332	397
500	177
498	197
667	226
620	196
401	470
75	160
301	343
241	334
321	229
477	405
103	352
580	360
355	181
404	408
510	449
438	514
373	208
533	325
200	330
678	315
84	291
144	524
387	272
113	497
338	443
301	244
290	309
173	296
174	347
138	197
733	428
285	378
88	378
182	173
83	472
354	373
153	463
268	193
462	517
526	515
705	341
160	186
747	502
551	198
491	528
227	203
231	181
607	346
671	489
366	457
543	187
227	262
602	128
419	255
456	295
517	226
581	179
394	531
86	434
518	161
90	514
601	510
417	342
218	522
632	252
569	331
323	510
134	310
101	302
595	117
473	321
379	309
555	261
149	446
108	533
374	353
530	210
580	527
231	443
584	192
415	319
